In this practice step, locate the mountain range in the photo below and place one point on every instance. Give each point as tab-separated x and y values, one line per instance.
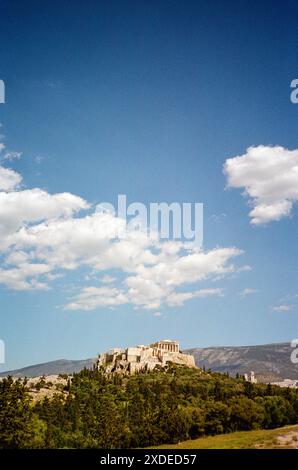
270	362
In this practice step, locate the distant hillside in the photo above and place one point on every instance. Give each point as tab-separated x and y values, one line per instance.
269	361
62	366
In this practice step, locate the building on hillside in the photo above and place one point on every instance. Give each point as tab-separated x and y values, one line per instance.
251	377
166	345
141	357
286	383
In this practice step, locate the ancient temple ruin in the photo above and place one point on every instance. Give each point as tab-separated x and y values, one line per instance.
141	357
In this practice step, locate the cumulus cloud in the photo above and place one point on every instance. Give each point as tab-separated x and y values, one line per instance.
12	156
94	297
157	314
269	177
9	179
43	236
178	298
149	297
248	291
106	279
282	308
25	276
153	285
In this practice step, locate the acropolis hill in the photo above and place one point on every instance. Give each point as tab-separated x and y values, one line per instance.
142	358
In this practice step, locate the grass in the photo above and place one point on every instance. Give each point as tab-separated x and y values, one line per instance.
261	438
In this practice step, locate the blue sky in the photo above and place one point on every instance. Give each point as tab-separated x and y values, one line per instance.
149	99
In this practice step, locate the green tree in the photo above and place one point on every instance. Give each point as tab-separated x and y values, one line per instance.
16	420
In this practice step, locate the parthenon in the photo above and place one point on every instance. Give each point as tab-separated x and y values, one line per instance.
166	345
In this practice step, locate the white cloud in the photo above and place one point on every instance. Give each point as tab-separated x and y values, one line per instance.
20	208
178	298
108	279
157	314
9	179
149	296
12	156
25	276
153	285
43	235
245	267
269	176
151	271
248	291
91	298
218	217
282	308
39	159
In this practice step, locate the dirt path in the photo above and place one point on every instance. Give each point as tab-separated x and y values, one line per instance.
288	440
